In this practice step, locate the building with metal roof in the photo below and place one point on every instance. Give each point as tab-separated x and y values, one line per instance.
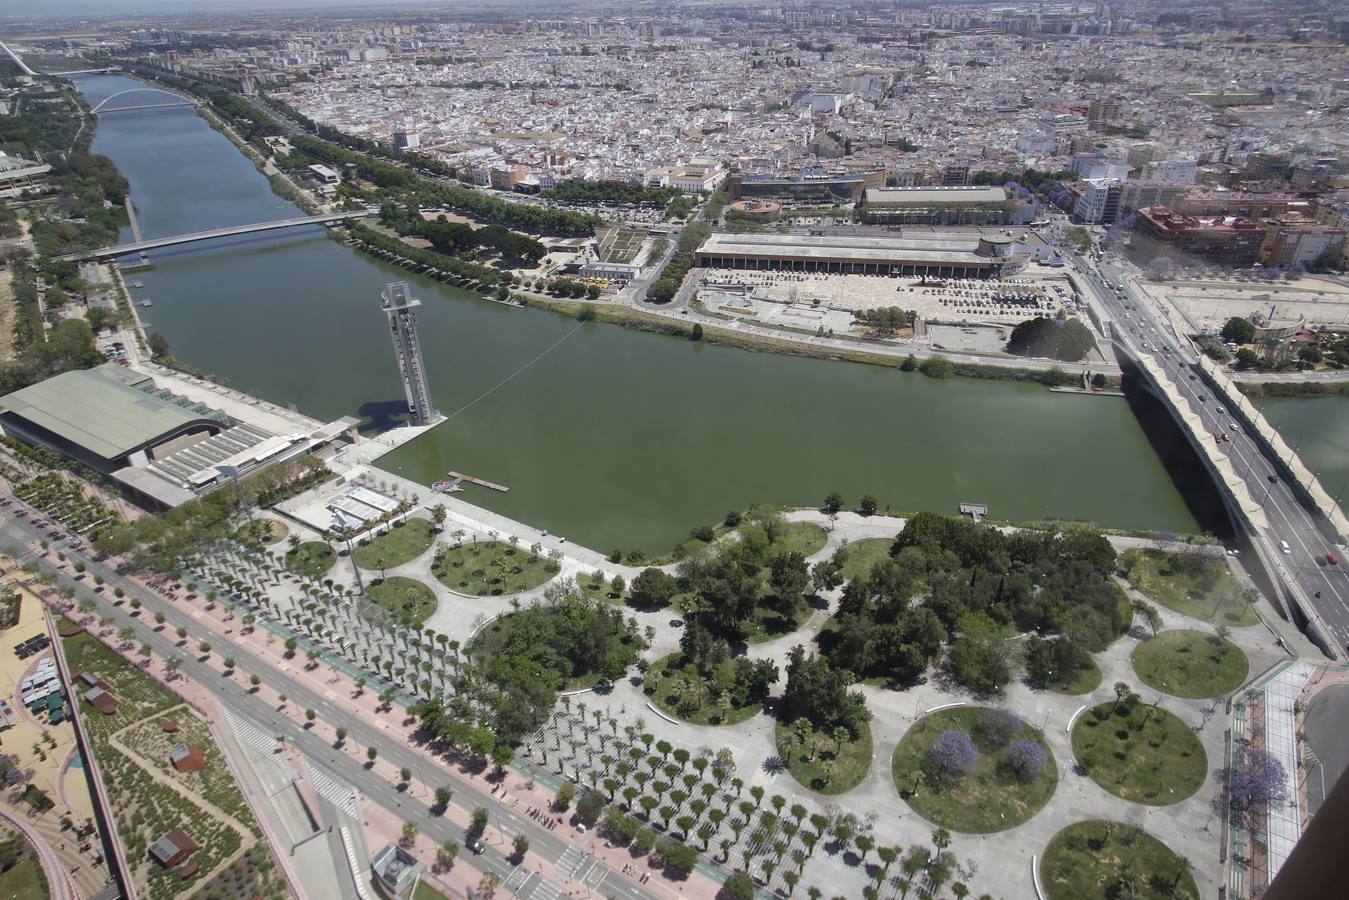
938	255
944	205
161	447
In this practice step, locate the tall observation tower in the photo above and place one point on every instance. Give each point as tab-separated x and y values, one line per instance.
398	304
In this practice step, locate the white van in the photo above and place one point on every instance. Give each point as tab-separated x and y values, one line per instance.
1284	546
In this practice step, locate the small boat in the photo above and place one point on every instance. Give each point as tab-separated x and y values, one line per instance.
147	302
136	284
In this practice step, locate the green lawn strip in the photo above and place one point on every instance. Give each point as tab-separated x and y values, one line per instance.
984	800
1190	664
492	568
860	557
1201	587
1091	859
849	766
399	545
145	810
1083	681
1140	753
667	686
312	559
411	601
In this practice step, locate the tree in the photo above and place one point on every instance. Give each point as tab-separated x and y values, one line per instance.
998	726
1238	330
310	715
521	846
1254	782
1247	359
833	502
937	367
341	734
954	752
590	806
565	793
979	662
697	333
653	588
409	833
868	505
371	753
447	853
159	346
1026	759
478	820
738	887
617	586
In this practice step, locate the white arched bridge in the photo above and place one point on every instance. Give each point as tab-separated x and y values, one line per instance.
180	100
144	246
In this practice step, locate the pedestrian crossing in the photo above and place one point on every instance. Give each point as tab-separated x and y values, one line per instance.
252	737
332	789
545	889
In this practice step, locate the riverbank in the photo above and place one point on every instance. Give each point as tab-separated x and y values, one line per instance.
1293	388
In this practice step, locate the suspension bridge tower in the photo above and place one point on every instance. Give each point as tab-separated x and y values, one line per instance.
398	306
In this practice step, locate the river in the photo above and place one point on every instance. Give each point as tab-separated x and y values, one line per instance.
614	438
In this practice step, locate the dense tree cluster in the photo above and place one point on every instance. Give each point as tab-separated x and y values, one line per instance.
712	675
455	238
953	582
1065	339
664	288
520	661
818	692
886	319
452	266
579	191
1238	330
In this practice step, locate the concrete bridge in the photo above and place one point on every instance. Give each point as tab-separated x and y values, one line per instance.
147	245
1287	517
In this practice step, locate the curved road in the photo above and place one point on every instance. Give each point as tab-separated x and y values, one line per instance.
51	864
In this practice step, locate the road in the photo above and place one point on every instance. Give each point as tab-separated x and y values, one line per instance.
1146	330
57	882
233	694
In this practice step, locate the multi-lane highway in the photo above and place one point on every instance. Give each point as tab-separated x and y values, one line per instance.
1144	329
553	846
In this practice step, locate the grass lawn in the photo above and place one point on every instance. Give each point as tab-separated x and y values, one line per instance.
1201	587
263	532
667	688
598	588
1083	681
1086	859
805	538
1141	754
312	559
424	891
492	568
828	773
1190	664
860	557
25	880
408	599
400	544
986	799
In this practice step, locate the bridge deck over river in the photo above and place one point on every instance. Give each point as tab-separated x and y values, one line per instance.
1292	522
144	245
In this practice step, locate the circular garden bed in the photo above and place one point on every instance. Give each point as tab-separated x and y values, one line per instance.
974	769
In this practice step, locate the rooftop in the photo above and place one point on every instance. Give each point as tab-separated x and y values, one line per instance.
102	410
952	194
936	248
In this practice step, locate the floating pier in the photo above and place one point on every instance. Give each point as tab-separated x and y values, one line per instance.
481	482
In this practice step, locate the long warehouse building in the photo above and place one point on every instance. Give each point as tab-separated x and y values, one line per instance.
931	255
